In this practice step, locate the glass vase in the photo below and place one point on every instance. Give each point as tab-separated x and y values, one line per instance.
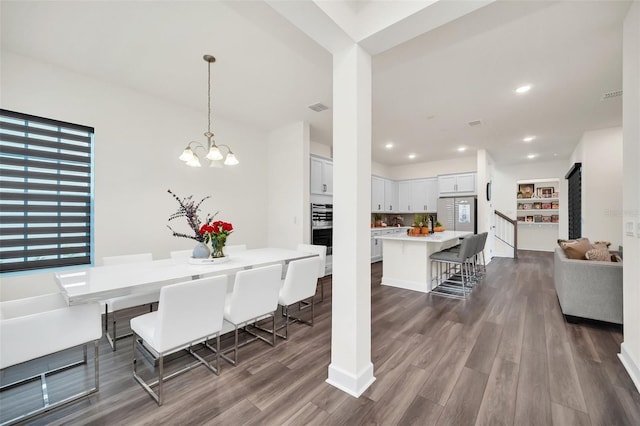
217	248
201	251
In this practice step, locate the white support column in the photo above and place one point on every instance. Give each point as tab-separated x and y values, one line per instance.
351	369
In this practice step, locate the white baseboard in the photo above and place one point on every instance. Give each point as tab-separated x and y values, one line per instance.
630	364
347	382
408	285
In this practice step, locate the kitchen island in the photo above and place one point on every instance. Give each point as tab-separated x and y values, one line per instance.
405	259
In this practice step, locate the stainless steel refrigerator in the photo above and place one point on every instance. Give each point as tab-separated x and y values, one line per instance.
458	213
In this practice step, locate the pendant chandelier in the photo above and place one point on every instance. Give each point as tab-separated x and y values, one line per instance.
214	154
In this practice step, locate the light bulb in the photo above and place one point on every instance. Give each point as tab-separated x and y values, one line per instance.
214	153
231	159
194	162
187	154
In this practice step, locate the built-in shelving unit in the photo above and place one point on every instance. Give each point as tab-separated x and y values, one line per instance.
538	202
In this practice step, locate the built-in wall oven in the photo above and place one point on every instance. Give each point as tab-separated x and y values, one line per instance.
322	225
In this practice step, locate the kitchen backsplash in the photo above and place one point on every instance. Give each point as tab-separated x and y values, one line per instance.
397	219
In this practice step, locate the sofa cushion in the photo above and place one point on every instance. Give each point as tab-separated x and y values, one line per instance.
598	253
575	249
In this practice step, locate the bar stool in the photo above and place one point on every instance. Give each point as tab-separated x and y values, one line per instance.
455	280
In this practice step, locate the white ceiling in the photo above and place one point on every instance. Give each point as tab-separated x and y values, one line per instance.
425	91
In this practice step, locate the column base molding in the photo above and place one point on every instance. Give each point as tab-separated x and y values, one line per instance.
347	382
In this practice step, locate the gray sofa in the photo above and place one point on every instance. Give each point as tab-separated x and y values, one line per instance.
588	288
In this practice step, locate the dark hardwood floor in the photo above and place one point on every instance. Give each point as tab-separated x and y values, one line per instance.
504	356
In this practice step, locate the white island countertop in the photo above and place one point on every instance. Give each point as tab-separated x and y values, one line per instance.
405	260
436	237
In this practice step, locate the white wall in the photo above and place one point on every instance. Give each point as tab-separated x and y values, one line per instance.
485	169
137	141
504	197
288	179
600	152
320	149
434	168
630	350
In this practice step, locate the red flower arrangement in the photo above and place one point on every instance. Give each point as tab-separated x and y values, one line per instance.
216	233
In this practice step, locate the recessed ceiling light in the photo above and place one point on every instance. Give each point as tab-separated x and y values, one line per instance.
462	149
528	138
523	89
389	145
531	156
412	156
555	154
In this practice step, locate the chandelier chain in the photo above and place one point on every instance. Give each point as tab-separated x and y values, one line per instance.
209	97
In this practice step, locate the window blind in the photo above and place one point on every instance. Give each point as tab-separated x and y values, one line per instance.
46	193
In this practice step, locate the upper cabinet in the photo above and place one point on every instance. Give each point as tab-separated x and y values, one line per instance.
384	195
417	196
321	176
458	184
377	194
390	196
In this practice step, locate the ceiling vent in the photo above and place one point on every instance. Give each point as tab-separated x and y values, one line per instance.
475	123
610	95
318	107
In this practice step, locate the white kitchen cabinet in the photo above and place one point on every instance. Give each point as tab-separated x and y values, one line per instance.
417	195
377	194
376	247
431	186
458	184
321	176
405	196
390	196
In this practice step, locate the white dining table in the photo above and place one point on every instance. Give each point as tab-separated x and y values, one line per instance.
104	282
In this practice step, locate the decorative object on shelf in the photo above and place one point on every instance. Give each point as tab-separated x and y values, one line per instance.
545	192
546	206
528	219
377	220
188	208
216	234
526	189
214	154
537	206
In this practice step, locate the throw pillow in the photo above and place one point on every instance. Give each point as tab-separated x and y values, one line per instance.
576	249
598	253
606	243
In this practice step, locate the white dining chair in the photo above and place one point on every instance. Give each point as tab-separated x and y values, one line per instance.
35	327
189	313
115	304
321	251
300	284
254	298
